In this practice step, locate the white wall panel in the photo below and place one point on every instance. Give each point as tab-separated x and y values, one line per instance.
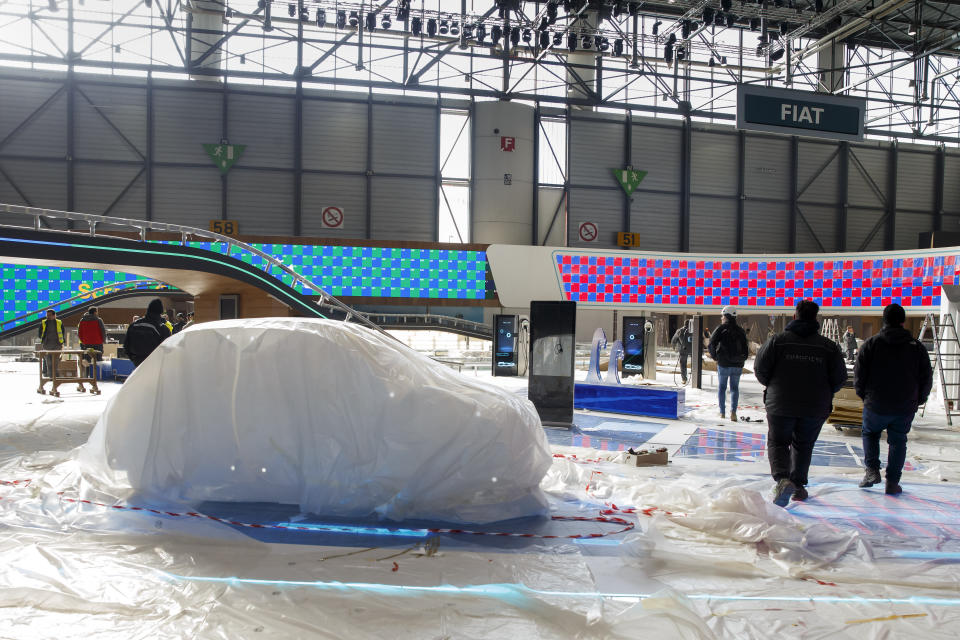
766	227
656	216
909	227
334	135
547	200
41	133
951	183
596	147
713	224
98	186
105	115
767	167
876	163
714	163
186	196
261	201
184	121
822	187
349	193
603	208
915	182
656	150
860	224
404	139
823	221
265	125
404	208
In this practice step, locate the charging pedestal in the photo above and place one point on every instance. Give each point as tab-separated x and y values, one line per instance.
552	349
505	345
633	345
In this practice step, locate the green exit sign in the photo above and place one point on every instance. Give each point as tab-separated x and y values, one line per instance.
800	113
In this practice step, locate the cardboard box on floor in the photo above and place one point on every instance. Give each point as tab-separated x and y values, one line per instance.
647	458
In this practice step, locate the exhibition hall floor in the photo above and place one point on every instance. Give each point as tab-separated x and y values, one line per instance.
690	550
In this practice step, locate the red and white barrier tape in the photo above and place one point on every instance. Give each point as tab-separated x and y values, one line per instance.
627	525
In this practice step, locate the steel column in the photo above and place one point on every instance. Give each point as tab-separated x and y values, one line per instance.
224	135
685	186
148	162
535	214
741	186
844	196
938	178
369	170
627	162
890	226
794	205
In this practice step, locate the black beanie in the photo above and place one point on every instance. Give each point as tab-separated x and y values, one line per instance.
894	315
155	307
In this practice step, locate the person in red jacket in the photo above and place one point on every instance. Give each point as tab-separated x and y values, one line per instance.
92	334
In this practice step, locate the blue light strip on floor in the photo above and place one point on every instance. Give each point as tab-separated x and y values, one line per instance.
513	590
369	531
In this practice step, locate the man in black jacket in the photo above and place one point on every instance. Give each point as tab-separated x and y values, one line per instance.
728	347
682	341
801	371
893	376
146	334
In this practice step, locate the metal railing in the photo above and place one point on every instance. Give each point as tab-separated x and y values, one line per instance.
185	232
144	284
427	320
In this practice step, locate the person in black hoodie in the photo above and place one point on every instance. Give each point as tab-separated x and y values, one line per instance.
893	376
801	371
146	334
728	347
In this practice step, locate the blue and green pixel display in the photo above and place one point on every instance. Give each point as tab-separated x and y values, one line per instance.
342	271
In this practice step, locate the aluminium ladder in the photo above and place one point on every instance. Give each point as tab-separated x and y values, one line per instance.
945	358
831	329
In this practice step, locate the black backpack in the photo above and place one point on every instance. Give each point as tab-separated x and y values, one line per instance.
142	339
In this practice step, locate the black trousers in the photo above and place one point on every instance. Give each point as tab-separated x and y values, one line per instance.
790	443
683	364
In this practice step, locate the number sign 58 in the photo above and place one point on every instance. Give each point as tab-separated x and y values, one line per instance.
225	227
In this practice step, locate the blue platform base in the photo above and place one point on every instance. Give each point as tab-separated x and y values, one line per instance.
661	402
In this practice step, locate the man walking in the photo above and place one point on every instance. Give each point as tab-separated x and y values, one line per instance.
683	342
146	334
894	377
92	335
728	347
850	342
801	371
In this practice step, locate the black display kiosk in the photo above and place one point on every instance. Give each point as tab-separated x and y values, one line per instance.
633	345
505	345
552	348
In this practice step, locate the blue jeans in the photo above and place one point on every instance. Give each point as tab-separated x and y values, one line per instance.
733	375
897	426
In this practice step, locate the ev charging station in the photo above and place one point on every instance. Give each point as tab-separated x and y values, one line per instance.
633	345
505	358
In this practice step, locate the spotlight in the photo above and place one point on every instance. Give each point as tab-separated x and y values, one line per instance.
403	11
784	28
681	54
354	18
444	27
544	23
586	41
633	8
712	62
385	22
572	41
304	14
557	38
481	32
321	18
731	20
776	55
431	27
618	8
604	44
912	29
597	42
818	6
760	50
726	5
454	28
544	39
719	19
618	47
496	33
416	26
723	61
656	27
672	38
371	21
515	35
267	21
708	15
149	3
527	34
552	11
685	27
341	19
754	24
468	31
668	54
292	9
243	58
778	3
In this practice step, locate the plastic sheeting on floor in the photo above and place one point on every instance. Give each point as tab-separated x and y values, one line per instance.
710	558
337	418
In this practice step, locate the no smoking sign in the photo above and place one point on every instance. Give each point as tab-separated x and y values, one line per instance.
332	217
588	232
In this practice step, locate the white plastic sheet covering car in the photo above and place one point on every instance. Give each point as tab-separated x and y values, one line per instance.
337	418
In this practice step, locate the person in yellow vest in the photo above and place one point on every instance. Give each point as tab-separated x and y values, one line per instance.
166	323
51	339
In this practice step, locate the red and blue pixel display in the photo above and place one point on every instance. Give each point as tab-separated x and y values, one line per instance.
911	281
